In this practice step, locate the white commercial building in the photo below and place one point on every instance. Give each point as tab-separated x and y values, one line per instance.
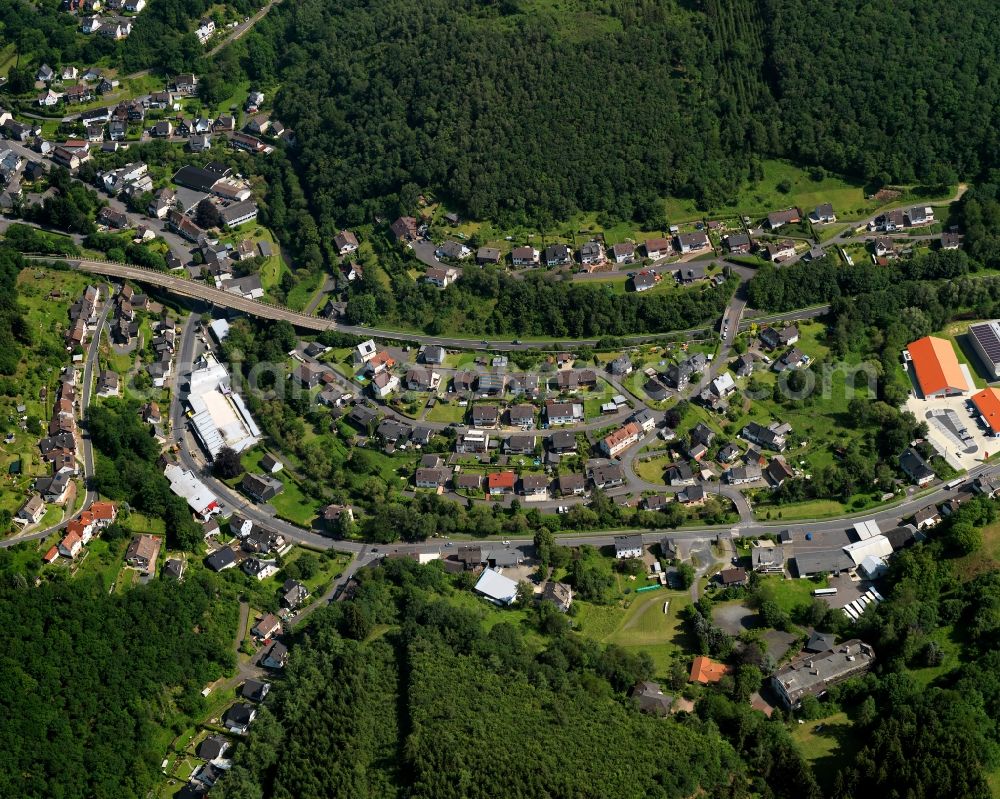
218	415
187	486
495	587
877	546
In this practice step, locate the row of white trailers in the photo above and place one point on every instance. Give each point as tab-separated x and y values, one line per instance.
854	609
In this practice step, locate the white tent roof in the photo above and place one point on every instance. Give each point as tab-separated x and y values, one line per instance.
877	546
497	588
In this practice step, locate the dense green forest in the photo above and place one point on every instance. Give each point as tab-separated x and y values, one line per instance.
90	681
441	706
489	301
127	469
525	112
440	699
14	333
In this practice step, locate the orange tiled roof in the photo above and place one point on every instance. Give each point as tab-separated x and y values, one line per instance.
936	365
501	479
103	510
987	403
705	670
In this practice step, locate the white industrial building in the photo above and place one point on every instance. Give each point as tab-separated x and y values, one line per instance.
218	415
495	587
187	486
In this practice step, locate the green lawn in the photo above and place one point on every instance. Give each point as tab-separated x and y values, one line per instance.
788	594
642	625
848	198
827	744
796	511
303	291
291	504
446	412
985	559
652	470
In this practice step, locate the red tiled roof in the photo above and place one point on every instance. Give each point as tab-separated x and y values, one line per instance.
705	670
987	402
936	365
501	479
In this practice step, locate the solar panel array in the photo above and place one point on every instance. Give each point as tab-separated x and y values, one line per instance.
988	337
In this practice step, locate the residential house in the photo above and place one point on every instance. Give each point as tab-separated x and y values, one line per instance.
558	255
692	242
739	475
71	545
767	557
649	698
777	219
487	255
309	374
535	486
562	413
345	242
767	437
432	478
524	256
920	215
778	471
276	657
779	250
706	671
559	594
255	690
620	366
205	30
773	339
422	379
823	214
628	546
404	228
562	442
658	248
792	359
32	511
621	439
915	467
572	484
468	481
260	488
383	384
738	243
499	483
592	254
268	626
733	577
606	476
239	717
522	416
441	276
926	517
692	495
142	553
293	594
453	250
623	253
680	474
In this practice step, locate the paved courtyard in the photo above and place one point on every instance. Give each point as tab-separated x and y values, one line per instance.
953	429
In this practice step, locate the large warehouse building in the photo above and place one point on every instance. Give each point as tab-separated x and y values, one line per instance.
218	415
985	338
937	369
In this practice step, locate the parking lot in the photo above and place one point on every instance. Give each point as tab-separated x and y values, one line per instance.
954	429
